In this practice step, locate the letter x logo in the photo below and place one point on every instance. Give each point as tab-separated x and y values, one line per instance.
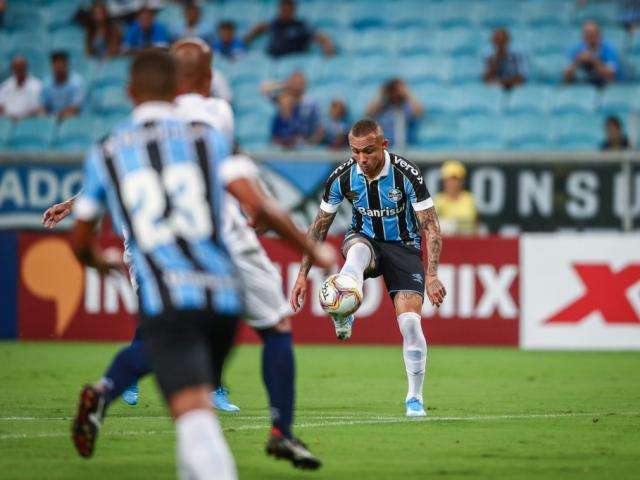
605	292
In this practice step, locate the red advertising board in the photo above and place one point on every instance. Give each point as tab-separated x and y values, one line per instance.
58	298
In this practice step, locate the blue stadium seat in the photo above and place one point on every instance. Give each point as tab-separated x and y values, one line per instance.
110	73
74	134
545	13
5	127
465	69
526	132
21	19
322	17
477	99
602	12
459	41
60	14
573	99
620	99
547	68
529	98
414	41
435	98
550	40
423	69
253	129
576	132
33	133
247	13
438	133
110	100
496	14
247	98
336	69
409	14
373	41
480	132
102	124
451	14
70	38
376	70
285	66
362	15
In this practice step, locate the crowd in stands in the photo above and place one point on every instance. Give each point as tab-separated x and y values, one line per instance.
116	29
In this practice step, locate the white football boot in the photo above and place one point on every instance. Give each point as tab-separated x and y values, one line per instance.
343	326
415	408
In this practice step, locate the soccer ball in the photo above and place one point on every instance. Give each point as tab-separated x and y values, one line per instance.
340	295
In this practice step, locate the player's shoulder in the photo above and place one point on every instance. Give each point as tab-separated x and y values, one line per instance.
340	170
407	167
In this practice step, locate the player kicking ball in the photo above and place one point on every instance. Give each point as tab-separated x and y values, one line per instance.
391	208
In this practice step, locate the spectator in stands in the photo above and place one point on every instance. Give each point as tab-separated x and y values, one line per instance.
615	138
227	43
145	32
306	111
192	25
504	66
288	34
336	126
103	36
3	7
20	93
285	130
455	206
127	10
397	110
63	93
593	60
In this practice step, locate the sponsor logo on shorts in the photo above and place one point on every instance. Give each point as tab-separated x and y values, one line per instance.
417	277
384	212
395	195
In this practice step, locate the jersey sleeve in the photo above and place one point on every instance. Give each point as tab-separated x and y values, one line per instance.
418	193
90	204
332	196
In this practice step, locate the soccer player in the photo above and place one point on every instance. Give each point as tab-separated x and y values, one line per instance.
391	207
161	178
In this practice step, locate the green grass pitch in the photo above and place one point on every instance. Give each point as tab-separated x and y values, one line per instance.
492	413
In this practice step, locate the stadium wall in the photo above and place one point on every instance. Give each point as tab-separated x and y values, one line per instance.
536	291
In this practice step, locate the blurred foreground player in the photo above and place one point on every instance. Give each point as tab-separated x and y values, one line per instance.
391	207
162	178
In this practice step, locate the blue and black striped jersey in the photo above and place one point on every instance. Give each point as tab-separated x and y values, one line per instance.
161	179
383	208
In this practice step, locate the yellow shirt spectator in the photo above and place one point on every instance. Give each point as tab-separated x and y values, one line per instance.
456	207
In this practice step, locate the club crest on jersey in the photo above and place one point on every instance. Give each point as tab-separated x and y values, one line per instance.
395	195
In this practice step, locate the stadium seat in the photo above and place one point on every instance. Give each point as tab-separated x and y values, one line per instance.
602	12
246	13
423	69
376	70
451	14
110	100
109	73
336	69
59	14
550	40
620	99
373	41
465	69
409	14
526	132
74	134
438	134
34	133
497	13
528	98
435	98
102	124
458	41
361	15
547	68
573	99
477	99
5	127
480	132
282	68
545	13
572	132
253	129
70	38
414	41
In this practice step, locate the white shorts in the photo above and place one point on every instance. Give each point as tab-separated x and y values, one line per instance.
265	302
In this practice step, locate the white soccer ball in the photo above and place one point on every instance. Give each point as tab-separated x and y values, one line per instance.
340	295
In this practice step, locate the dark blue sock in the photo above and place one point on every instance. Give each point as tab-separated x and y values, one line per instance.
128	366
278	373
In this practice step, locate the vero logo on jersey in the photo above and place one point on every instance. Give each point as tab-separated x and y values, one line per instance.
605	292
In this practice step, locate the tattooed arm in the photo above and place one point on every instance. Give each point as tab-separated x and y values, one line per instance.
428	220
317	232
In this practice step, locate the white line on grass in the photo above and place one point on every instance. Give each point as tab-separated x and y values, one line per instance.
345	422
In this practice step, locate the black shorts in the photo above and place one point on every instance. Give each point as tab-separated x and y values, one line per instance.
400	265
187	348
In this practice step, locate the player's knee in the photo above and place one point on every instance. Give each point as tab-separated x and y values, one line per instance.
411	327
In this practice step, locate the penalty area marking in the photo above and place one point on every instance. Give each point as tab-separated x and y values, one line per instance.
346	421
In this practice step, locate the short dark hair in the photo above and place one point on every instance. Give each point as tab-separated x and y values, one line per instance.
154	72
227	24
59	55
364	127
614	120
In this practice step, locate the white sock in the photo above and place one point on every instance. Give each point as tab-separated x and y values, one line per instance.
414	351
202	450
358	259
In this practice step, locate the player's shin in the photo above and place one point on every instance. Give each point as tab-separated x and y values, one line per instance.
414	351
128	366
201	448
278	372
357	260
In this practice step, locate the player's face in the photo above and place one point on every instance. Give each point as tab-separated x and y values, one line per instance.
452	185
368	152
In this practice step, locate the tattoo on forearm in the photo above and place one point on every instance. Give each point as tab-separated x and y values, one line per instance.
428	220
317	232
